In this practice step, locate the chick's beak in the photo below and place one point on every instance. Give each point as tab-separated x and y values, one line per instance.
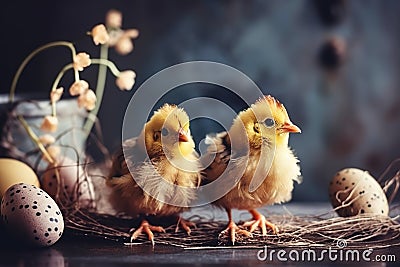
289	127
183	136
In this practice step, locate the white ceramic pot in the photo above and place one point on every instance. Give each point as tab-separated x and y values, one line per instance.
15	141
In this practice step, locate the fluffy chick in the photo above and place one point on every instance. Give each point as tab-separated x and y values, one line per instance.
164	149
266	124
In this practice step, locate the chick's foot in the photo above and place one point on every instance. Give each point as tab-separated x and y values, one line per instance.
232	229
185	225
259	221
148	229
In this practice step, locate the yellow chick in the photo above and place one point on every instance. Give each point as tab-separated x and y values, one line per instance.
164	149
267	125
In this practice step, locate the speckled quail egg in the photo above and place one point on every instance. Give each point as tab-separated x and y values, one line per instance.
357	192
74	187
31	215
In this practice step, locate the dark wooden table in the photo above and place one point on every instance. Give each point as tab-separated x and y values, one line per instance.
80	251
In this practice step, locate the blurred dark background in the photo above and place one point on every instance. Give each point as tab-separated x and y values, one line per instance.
334	64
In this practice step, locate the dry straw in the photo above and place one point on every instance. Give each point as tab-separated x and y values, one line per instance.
296	231
361	231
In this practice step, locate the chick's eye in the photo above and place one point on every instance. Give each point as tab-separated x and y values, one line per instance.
269	122
256	128
156	136
164	132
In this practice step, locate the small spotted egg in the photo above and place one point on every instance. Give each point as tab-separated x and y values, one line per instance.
31	215
357	192
74	184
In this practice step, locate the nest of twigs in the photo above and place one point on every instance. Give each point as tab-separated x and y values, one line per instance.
361	231
296	231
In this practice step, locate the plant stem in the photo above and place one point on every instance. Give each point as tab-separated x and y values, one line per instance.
104	63
101	82
31	55
99	90
55	85
35	139
111	66
114	70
